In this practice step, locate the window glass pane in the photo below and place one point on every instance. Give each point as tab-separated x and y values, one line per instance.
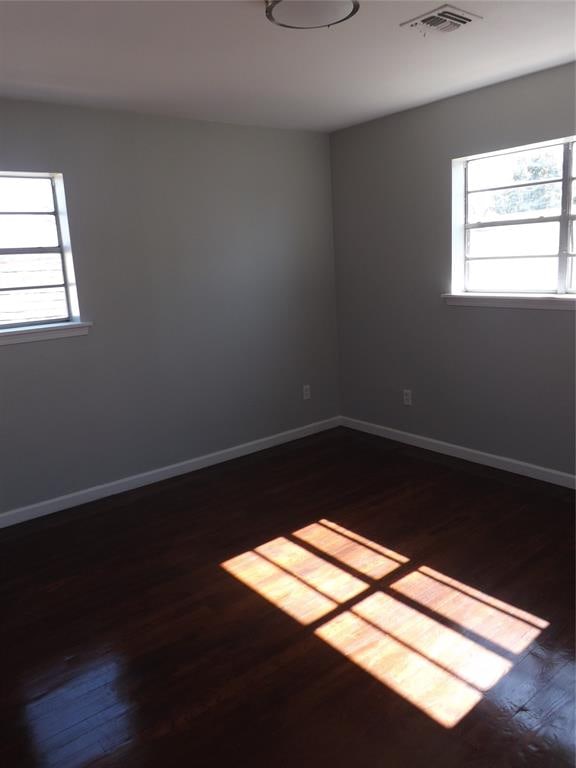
516	203
28	231
18	270
572	238
514	275
515	240
19	307
571	277
20	194
516	168
573	205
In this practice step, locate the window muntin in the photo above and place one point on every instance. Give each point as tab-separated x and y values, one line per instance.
513	203
519	221
37	284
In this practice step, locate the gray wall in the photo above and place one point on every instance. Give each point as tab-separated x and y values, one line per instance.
203	255
496	380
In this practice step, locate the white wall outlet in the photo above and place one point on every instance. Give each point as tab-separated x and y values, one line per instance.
407	396
306	392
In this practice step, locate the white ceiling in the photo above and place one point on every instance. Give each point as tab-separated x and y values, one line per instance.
222	60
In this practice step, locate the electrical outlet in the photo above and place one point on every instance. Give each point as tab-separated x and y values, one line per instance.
306	392
407	396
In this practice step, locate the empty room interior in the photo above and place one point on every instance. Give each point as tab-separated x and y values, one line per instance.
287	383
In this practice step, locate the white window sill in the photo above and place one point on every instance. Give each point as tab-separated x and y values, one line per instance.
512	300
43	332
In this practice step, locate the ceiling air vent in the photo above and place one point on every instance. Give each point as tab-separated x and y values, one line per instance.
446	18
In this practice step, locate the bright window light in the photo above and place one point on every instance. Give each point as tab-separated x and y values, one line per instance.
513	221
37	284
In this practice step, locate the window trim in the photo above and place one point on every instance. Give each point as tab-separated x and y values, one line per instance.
565	301
561	298
46	328
43	332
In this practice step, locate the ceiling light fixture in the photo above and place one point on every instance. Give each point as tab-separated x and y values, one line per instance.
310	14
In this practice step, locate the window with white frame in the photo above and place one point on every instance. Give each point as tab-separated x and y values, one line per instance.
37	285
514	214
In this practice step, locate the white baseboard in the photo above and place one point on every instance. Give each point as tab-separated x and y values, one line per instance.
48	507
469	454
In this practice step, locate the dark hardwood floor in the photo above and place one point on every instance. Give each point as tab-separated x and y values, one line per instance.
338	601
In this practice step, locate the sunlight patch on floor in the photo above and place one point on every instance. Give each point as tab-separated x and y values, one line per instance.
492	619
363	559
363	540
283	590
436	692
313	570
460	656
433	640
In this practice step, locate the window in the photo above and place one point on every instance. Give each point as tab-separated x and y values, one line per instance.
37	285
513	221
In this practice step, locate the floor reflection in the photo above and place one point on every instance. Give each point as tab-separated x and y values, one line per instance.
437	642
87	716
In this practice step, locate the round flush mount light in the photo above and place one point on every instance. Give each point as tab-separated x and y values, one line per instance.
310	14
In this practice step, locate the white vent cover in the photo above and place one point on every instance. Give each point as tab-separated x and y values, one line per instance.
446	18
